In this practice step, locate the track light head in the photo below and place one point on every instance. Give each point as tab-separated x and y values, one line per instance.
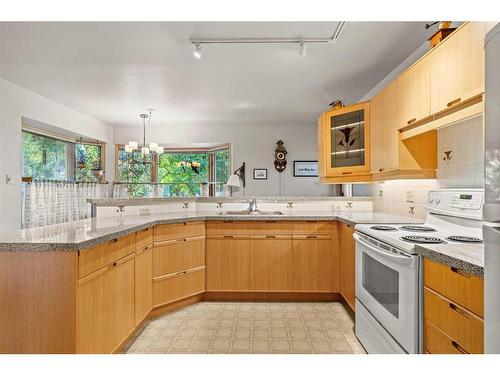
303	49
197	50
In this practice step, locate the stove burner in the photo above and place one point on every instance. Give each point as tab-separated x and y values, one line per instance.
383	227
417	228
422	239
465	239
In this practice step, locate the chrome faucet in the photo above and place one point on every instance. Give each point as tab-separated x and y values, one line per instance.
252	205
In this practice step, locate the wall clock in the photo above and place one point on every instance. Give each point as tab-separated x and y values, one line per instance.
280	156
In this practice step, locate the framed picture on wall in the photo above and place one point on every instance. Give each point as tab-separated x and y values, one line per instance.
260	174
305	168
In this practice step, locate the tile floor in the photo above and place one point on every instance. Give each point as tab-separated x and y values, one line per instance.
228	327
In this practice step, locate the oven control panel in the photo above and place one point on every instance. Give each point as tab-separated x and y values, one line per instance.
456	202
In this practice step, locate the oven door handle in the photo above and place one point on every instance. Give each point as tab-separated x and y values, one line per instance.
396	258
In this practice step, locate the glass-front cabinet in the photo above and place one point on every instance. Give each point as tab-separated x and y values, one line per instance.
344	144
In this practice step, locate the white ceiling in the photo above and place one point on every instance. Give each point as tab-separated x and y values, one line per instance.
114	70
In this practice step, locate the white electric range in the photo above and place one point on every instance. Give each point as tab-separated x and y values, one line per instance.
388	269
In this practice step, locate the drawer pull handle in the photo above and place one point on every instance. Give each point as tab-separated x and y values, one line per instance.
346	172
312	236
458	347
270	221
457	100
458	310
113	241
312	221
228	221
114	264
270	236
228	236
411	121
459	272
381	169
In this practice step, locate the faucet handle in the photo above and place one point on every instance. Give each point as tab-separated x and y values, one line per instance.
289	204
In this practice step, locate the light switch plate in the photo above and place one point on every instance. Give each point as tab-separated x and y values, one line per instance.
144	211
410	196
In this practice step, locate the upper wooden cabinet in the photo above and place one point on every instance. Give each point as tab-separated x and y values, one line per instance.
384	134
414	94
344	144
457	67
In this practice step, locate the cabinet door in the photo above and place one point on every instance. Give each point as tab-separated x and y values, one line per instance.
457	67
105	308
228	263
348	140
347	265
312	264
414	93
143	284
271	263
384	133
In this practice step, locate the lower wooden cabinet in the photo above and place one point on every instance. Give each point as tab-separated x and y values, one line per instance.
178	286
271	263
178	255
228	263
312	264
453	310
105	308
143	283
347	264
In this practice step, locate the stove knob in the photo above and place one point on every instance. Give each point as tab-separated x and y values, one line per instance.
430	200
438	200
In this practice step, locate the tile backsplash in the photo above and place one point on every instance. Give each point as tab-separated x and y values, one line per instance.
403	197
461	154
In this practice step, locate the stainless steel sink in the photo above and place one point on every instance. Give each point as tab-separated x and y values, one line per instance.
250	213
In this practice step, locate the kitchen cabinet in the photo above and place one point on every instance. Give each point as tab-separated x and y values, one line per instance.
384	134
271	263
143	282
312	263
347	264
457	67
105	307
453	310
178	261
228	263
344	148
413	94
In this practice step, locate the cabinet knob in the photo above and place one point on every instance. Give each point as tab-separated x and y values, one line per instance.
453	102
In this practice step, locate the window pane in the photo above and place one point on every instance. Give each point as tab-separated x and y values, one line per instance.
133	167
183	173
88	159
221	171
44	158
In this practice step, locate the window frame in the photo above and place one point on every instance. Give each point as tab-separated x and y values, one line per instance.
155	162
70	153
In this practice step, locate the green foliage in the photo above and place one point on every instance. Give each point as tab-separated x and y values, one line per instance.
90	157
133	167
44	158
183	181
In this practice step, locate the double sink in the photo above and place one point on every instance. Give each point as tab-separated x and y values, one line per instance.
251	211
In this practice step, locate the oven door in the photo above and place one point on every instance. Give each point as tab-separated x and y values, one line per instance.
387	286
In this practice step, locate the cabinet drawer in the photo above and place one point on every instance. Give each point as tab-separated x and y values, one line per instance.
313	228
178	286
227	227
178	255
271	227
91	260
144	238
459	324
463	289
436	342
166	232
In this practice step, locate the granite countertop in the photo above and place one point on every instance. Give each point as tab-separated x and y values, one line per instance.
115	202
82	234
467	257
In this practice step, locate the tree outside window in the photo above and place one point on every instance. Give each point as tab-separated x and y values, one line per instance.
44	158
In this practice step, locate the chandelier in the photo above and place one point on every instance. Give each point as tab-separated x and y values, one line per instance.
145	150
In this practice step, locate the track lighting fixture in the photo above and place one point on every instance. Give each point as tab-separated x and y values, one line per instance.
197	50
303	48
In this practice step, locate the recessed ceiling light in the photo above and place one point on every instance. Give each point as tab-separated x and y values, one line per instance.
197	50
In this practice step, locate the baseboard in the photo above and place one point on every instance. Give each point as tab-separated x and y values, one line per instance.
274	296
179	304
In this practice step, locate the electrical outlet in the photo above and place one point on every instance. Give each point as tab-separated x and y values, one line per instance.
409	196
144	211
